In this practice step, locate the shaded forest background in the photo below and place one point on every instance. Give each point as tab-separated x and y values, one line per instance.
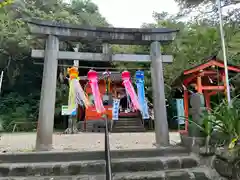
198	38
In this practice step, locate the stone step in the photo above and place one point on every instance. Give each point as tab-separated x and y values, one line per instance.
139	128
129	119
182	174
129	127
152	163
128	116
96	167
66	156
127	122
127	130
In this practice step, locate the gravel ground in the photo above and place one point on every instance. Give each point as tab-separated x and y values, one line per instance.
25	142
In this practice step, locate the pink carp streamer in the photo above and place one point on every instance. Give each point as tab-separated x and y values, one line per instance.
93	81
130	90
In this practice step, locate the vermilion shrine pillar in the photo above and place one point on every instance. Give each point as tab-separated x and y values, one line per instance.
199	84
186	106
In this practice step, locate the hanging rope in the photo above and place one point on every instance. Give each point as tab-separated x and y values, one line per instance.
98	68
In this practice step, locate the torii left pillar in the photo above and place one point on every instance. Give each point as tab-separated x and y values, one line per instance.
48	95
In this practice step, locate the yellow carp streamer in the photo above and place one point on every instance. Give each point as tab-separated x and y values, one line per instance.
76	93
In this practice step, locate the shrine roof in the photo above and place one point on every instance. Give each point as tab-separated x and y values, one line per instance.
209	62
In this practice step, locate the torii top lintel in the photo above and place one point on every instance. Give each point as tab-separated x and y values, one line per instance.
138	36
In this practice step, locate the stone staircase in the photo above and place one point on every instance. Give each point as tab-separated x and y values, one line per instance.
133	124
171	163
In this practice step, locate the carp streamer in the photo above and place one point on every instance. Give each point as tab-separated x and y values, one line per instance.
130	90
76	93
93	81
141	94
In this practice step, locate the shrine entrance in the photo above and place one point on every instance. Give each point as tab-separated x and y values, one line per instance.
55	32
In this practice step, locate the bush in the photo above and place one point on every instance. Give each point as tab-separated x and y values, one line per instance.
14	108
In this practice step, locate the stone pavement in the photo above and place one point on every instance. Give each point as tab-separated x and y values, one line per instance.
25	142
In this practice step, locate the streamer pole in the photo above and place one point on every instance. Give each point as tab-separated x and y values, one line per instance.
1	79
224	52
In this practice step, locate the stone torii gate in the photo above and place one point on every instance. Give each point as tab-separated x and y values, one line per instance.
54	32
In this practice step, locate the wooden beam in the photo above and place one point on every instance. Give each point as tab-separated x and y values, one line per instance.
213	87
212	93
68	55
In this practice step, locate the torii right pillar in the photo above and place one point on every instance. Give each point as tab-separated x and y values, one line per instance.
159	102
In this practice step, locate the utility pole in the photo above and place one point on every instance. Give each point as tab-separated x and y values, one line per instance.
224	52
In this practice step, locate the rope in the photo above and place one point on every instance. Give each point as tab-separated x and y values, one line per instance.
101	68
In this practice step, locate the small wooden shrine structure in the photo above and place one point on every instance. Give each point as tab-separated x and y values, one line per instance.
207	79
116	90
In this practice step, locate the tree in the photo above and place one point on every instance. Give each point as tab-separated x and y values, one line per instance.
197	40
196	3
21	76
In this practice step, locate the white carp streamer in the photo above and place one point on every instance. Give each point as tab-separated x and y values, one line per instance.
80	94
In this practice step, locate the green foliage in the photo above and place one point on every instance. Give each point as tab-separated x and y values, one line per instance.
206	126
223	120
15	108
227	119
197	3
22	79
61	97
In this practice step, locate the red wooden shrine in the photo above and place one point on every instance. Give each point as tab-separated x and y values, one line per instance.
207	79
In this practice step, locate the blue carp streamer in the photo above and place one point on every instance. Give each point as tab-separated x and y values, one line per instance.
141	94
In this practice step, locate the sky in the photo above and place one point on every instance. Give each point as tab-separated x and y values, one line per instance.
133	13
